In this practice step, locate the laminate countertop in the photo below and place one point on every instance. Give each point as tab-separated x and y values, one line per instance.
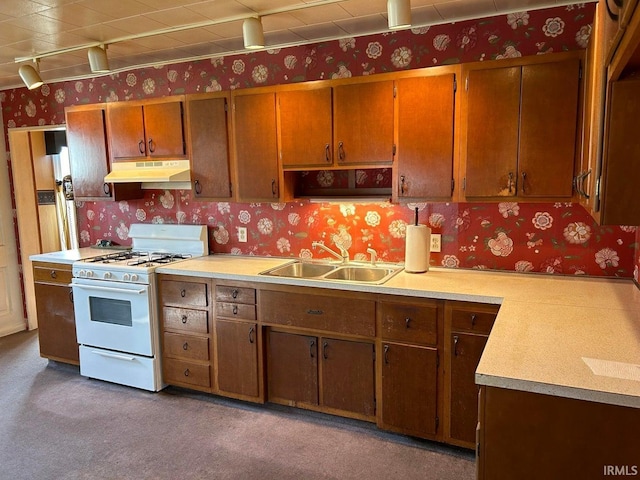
575	337
69	256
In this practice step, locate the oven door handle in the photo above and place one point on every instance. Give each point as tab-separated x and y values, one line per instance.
107	289
114	355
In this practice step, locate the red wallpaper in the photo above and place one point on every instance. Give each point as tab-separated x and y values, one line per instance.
552	238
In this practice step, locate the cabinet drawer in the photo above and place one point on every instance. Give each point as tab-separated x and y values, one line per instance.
52	275
184	293
235	310
471	320
186	320
226	293
336	314
407	322
179	371
187	347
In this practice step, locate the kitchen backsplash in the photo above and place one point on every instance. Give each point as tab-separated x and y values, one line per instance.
558	238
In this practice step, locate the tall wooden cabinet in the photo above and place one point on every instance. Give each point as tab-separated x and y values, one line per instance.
54	307
520	129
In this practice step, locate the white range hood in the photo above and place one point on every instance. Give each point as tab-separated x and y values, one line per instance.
153	171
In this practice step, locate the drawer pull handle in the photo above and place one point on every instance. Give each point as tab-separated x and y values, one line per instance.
235	309
235	293
324	350
341	154
455	345
152	147
186	372
251	330
141	147
386	357
312	344
327	153
406	322
106	189
53	274
71	295
314	312
185	347
184	319
197	187
473	320
183	293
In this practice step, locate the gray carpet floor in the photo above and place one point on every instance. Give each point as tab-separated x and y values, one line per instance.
56	424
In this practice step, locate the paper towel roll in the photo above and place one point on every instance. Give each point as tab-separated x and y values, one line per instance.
417	249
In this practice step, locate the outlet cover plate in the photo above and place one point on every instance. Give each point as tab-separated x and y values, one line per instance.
436	242
242	234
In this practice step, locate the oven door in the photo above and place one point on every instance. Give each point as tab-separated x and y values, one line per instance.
112	315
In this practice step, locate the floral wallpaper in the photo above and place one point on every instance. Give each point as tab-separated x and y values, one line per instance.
550	238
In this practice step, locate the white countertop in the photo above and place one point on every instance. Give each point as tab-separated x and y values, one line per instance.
70	256
546	328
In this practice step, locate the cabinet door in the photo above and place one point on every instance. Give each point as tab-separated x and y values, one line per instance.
237	352
493	107
255	145
304	122
164	129
409	389
348	376
425	136
363	123
548	123
621	169
126	131
466	350
89	162
209	147
56	323
292	368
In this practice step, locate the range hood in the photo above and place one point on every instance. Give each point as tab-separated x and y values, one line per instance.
154	171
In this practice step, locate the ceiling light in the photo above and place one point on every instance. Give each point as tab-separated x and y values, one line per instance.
399	14
98	60
253	33
30	75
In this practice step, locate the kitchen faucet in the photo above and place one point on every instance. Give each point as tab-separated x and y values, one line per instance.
343	256
374	256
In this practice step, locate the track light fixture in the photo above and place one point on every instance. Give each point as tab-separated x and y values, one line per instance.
30	76
98	60
399	14
253	33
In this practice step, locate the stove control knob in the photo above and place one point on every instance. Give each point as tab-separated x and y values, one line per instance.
82	273
89	274
134	278
126	277
107	275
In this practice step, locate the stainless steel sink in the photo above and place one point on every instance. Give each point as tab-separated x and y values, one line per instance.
352	272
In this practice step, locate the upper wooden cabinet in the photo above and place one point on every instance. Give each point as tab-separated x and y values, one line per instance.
425	142
363	123
305	128
256	150
520	128
89	158
146	129
209	145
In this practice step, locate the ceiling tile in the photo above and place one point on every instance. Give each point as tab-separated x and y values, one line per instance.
358	8
162	4
100	33
195	35
39	25
460	9
176	16
425	16
216	10
136	25
360	25
75	14
325	30
281	21
156	42
23	7
321	14
266	5
282	37
126	8
231	44
12	33
229	29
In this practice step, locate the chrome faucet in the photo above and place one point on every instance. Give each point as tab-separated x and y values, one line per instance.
374	255
343	256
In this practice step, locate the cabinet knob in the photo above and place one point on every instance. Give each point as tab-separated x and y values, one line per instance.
312	344
186	372
327	153
473	320
106	189
341	154
510	182
325	345
273	188
524	178
403	186
141	147
185	346
406	322
184	319
235	309
183	293
197	187
386	355
455	345
235	293
152	146
251	331
54	274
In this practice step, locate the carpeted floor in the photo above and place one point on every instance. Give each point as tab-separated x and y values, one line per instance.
55	424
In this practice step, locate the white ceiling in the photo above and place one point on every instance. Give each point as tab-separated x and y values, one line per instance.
30	28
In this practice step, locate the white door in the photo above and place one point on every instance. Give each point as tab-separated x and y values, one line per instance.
11	310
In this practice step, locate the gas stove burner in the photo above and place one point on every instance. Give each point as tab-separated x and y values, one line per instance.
115	257
151	259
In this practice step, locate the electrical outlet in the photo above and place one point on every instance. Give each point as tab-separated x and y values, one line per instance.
436	242
242	234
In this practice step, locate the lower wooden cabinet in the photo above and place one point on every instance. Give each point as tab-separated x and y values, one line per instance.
348	376
237	355
54	307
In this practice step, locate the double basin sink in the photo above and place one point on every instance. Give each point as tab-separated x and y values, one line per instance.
351	272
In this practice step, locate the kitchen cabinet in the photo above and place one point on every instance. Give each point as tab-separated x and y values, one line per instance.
467	328
520	128
425	133
256	150
363	123
89	156
185	329
208	130
238	343
146	129
54	307
410	331
305	128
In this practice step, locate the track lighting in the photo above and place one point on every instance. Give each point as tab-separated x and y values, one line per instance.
98	60
30	76
399	14
253	33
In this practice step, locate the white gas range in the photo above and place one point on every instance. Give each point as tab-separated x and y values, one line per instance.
115	302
